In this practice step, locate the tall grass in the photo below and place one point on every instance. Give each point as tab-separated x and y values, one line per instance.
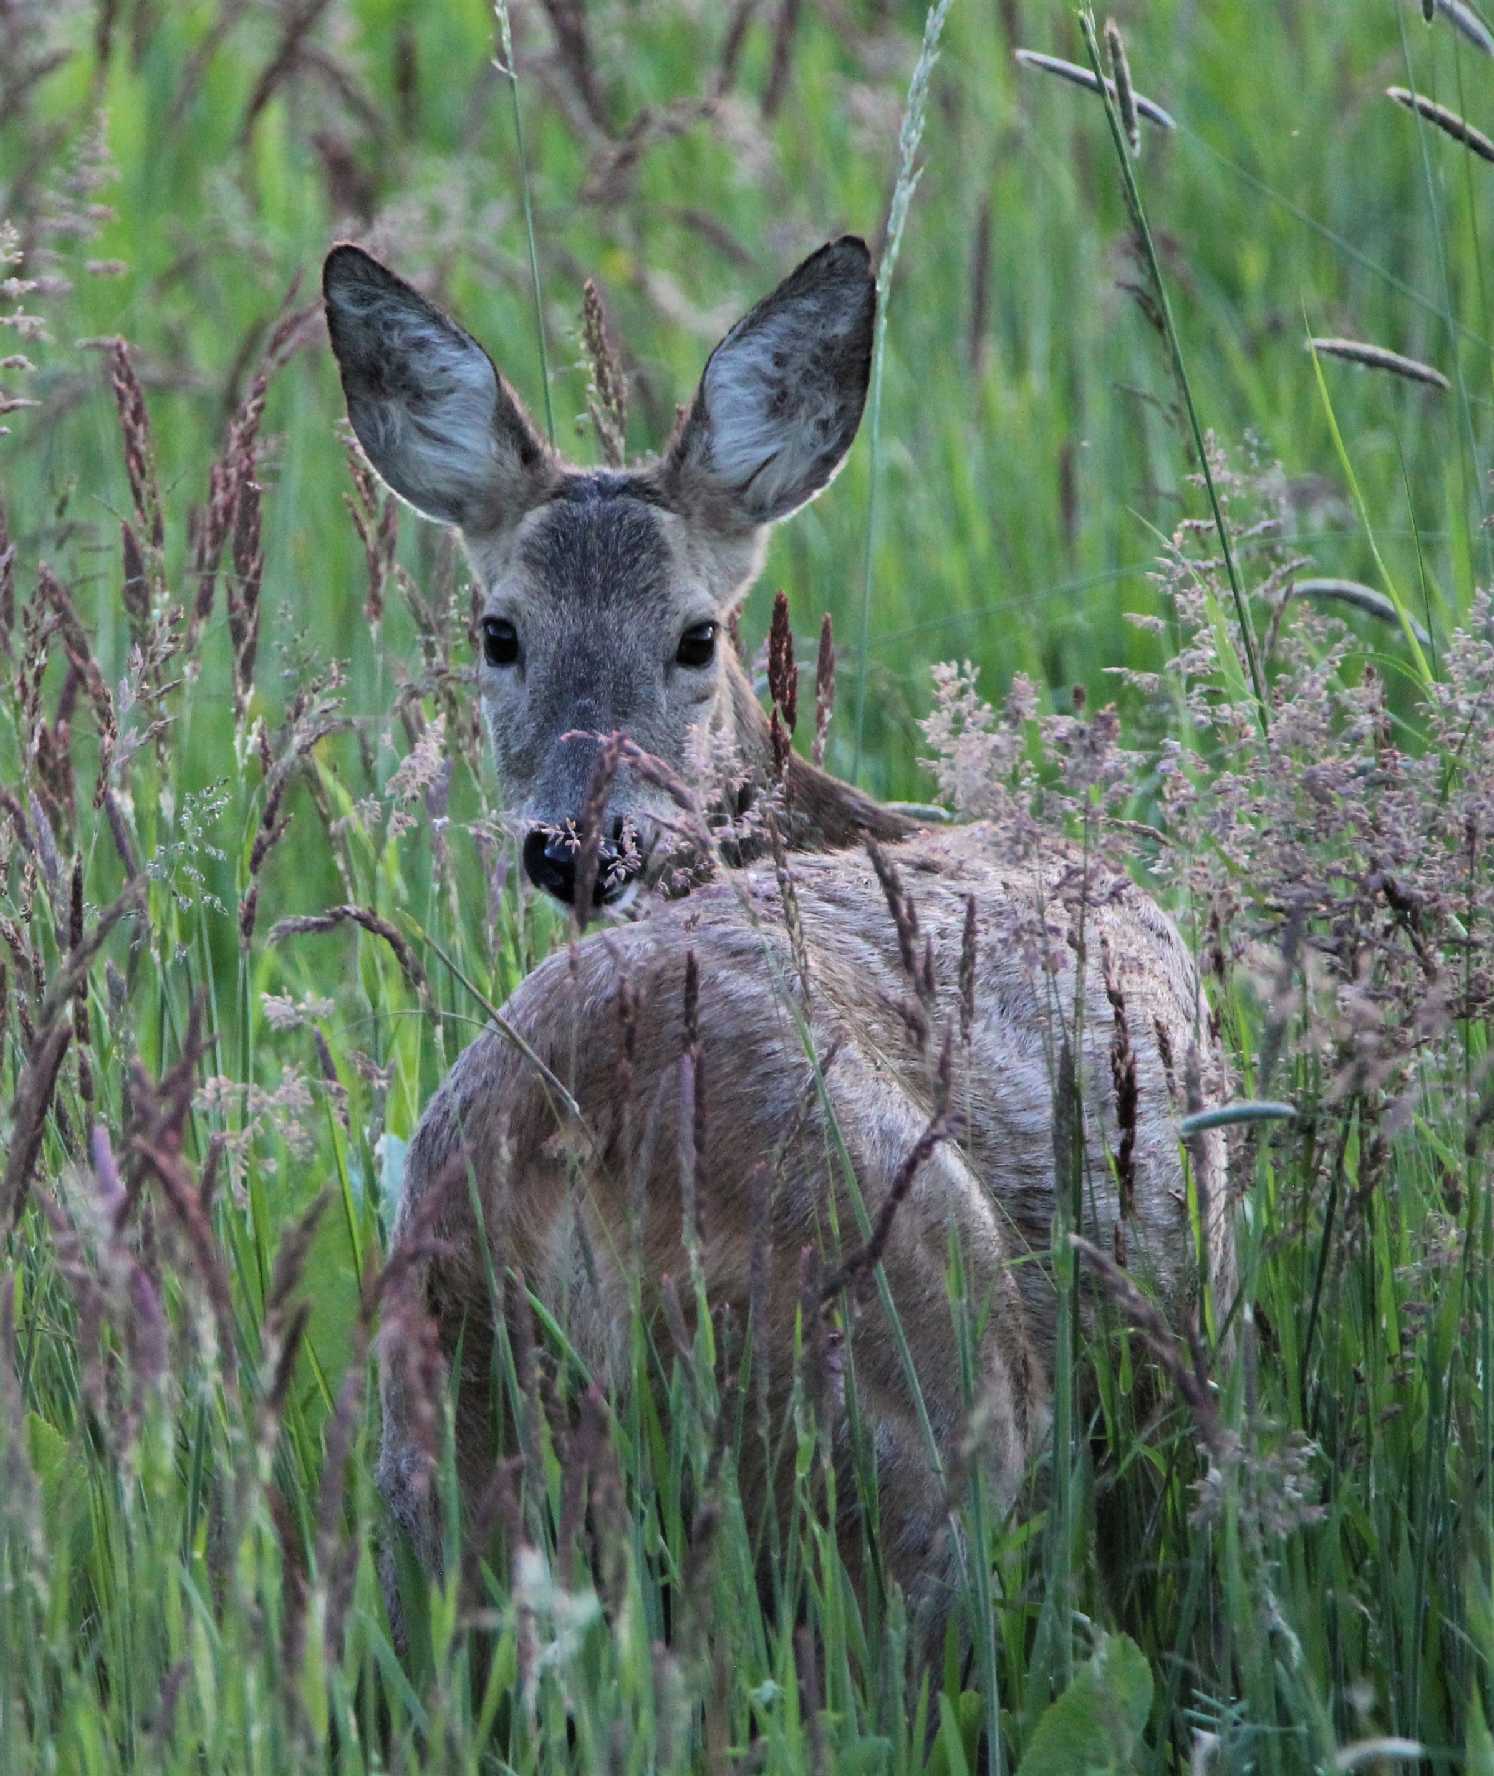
251	908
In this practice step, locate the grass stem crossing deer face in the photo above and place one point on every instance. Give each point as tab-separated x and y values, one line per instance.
606	595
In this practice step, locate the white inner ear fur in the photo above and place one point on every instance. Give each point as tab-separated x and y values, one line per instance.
446	454
774	458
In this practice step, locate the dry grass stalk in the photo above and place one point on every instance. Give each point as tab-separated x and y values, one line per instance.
1379	357
731	45
610	177
161	1159
944	1125
917	959
1125	97
783	56
372	922
28	1116
783	686
824	690
1145	107
84	670
793	917
243	593
376	519
573	46
691	1134
1447	121
336	1567
135	587
310	718
80	995
53	1032
410	1345
967	972
607	398
783	674
140	459
7	583
290	52
210	526
589	848
1186	1373
1123	1078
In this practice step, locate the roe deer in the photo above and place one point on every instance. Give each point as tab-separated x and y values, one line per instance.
811	1093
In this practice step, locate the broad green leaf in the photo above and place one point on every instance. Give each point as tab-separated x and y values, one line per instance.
1092	1729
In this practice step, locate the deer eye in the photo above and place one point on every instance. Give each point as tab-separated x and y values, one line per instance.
500	642
697	645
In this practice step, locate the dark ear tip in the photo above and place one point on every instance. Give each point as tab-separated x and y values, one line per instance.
850	254
347	263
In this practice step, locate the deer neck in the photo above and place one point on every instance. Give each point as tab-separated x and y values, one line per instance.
820	811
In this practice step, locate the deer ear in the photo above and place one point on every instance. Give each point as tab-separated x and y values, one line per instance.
434	417
782	394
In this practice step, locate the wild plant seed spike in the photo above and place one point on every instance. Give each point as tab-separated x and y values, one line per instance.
1379	357
1462	18
1447	121
1125	95
1364	598
1228	1115
1147	108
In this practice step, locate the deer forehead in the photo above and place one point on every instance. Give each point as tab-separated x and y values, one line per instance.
604	545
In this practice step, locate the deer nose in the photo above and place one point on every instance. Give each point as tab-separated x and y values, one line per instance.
550	863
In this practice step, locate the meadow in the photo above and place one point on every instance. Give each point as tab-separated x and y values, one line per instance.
253	902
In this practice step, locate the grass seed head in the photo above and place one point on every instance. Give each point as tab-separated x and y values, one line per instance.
139	449
1071	71
1379	357
607	397
824	689
1125	98
1447	121
1462	18
783	674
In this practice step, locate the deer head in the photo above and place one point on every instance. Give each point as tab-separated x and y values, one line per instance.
606	596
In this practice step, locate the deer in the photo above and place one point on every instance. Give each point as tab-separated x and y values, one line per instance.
806	974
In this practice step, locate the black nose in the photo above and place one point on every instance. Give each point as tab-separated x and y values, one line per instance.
550	863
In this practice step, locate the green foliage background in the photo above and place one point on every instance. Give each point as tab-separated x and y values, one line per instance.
1030	460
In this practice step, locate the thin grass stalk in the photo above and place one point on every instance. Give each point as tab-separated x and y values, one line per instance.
980	1566
1473	480
508	70
1180	372
909	138
1408	628
1422	575
1469	176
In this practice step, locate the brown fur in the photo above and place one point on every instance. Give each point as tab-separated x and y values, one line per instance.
558	1194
